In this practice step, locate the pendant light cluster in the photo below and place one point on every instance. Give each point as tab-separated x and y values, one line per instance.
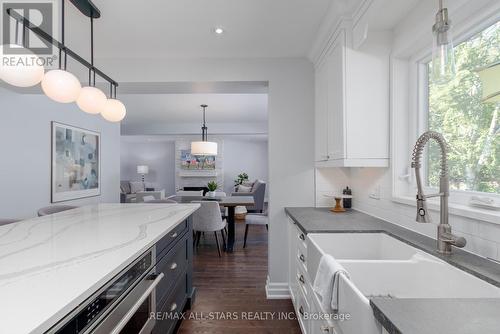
61	85
443	54
204	147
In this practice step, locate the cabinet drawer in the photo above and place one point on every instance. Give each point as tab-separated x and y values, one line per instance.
302	282
168	240
302	309
301	259
301	238
173	264
172	306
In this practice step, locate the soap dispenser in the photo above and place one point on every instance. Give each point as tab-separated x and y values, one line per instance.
347	202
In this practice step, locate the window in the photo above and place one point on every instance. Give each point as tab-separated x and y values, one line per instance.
470	126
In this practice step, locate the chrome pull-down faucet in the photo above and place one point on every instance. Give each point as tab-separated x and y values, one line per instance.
445	239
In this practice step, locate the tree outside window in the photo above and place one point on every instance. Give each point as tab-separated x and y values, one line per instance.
470	126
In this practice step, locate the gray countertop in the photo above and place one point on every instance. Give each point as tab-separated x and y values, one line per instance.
443	316
407	315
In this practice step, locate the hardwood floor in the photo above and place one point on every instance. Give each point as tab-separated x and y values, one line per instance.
233	286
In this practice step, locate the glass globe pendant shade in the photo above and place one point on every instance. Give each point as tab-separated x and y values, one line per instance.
61	86
113	110
203	148
91	100
443	54
21	69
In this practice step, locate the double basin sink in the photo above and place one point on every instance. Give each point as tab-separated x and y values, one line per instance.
382	266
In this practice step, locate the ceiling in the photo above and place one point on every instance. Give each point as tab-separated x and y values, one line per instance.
184	28
185	108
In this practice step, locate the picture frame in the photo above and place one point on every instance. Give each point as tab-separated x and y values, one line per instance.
75	162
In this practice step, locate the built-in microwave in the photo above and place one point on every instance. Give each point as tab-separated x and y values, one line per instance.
123	306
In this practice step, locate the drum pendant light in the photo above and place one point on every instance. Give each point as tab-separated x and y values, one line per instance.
204	147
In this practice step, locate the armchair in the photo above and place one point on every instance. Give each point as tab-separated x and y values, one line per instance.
258	191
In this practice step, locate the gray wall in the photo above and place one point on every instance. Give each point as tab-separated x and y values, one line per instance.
249	155
159	156
241	154
25	125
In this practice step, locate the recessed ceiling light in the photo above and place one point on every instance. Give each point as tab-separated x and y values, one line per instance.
219	31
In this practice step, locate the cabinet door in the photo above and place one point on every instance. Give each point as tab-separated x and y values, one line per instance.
292	260
321	113
336	98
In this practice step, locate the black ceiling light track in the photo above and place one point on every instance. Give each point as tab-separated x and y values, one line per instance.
88	9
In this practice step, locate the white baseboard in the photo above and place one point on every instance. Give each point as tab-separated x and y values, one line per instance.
277	290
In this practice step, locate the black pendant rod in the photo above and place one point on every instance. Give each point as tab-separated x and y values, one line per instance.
63	48
62	30
91	51
204	129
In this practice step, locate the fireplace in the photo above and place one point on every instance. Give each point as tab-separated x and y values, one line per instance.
205	189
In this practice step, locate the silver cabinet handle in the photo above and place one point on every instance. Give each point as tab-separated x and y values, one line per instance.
173	307
138	304
302	237
173	266
302	258
174	235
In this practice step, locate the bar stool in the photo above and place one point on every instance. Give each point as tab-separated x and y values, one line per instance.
48	210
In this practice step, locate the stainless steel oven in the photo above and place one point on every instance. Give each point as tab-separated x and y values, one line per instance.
123	306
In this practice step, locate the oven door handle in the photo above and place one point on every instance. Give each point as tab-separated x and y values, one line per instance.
138	304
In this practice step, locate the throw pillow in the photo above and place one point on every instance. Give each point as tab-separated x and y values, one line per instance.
136	186
244	189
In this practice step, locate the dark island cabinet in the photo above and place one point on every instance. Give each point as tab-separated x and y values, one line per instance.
175	293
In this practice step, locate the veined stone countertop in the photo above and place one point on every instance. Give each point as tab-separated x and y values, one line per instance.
407	315
49	265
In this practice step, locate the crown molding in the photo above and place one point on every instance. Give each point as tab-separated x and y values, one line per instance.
336	18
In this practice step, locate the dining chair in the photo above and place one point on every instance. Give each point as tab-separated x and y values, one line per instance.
255	219
189	193
164	201
48	210
4	221
208	219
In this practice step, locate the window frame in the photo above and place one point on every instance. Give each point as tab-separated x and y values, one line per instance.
416	103
461	197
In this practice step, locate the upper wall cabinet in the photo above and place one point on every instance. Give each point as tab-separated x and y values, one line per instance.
352	103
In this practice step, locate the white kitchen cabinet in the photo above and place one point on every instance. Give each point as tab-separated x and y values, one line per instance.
352	104
305	303
321	113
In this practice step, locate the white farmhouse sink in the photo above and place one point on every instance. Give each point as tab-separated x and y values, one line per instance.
382	266
419	278
356	246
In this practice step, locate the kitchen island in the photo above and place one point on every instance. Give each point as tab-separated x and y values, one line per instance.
51	265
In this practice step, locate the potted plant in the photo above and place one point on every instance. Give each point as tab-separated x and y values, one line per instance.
212	187
243	177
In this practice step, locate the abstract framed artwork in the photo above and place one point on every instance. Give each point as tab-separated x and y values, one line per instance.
197	162
76	167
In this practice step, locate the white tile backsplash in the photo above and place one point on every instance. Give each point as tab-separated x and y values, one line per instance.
483	238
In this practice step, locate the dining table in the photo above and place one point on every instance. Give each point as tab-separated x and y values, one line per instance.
229	202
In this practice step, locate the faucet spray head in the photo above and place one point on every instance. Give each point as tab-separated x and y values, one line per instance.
422	216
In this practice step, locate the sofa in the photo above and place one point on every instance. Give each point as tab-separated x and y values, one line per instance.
257	190
130	189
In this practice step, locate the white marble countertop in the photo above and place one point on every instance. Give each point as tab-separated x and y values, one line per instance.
49	265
